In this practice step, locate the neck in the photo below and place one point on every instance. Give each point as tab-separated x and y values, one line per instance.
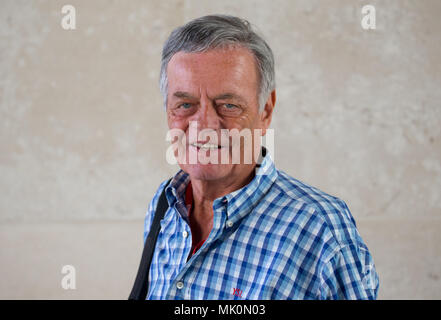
206	191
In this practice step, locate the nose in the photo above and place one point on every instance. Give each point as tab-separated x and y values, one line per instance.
207	116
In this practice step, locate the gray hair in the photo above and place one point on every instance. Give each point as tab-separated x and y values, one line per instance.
220	31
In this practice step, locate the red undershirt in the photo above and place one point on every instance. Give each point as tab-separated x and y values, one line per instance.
189	205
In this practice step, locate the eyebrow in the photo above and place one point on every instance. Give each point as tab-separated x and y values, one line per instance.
228	95
185	95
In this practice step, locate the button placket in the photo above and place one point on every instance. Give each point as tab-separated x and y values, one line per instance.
191	280
182	288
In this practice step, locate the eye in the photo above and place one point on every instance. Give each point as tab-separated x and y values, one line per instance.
229	109
185	105
184	109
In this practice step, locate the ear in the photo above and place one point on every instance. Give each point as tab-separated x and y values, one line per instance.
267	112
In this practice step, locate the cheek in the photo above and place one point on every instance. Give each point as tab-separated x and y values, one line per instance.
247	120
176	122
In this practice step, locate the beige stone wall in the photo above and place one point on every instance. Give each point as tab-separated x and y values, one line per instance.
82	132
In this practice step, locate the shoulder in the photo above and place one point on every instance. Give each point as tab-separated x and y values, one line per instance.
152	208
329	211
324	229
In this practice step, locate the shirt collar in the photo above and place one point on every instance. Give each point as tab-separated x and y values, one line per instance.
240	202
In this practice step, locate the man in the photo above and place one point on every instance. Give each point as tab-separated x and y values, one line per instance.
238	229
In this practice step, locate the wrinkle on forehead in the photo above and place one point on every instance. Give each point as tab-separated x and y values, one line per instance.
215	70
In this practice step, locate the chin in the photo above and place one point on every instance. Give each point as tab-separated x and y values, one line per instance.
208	172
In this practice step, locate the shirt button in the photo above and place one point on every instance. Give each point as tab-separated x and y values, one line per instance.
229	224
180	285
185	234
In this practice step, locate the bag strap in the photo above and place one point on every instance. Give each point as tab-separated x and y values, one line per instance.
140	287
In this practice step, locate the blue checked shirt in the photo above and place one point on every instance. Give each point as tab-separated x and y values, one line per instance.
275	238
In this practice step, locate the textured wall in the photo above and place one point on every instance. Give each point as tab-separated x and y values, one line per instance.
82	131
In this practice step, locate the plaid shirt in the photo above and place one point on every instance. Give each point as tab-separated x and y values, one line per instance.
275	238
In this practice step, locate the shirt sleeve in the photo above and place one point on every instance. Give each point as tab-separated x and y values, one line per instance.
350	274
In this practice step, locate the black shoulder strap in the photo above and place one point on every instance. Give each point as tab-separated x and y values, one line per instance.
140	288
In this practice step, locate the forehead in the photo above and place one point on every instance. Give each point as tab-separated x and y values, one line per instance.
214	70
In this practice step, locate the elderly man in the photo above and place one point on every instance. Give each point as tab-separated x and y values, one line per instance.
240	229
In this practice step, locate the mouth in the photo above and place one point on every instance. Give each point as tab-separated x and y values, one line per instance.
205	146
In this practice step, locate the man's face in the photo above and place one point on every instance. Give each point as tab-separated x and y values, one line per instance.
215	90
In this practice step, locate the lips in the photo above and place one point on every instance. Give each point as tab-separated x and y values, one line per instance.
205	146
